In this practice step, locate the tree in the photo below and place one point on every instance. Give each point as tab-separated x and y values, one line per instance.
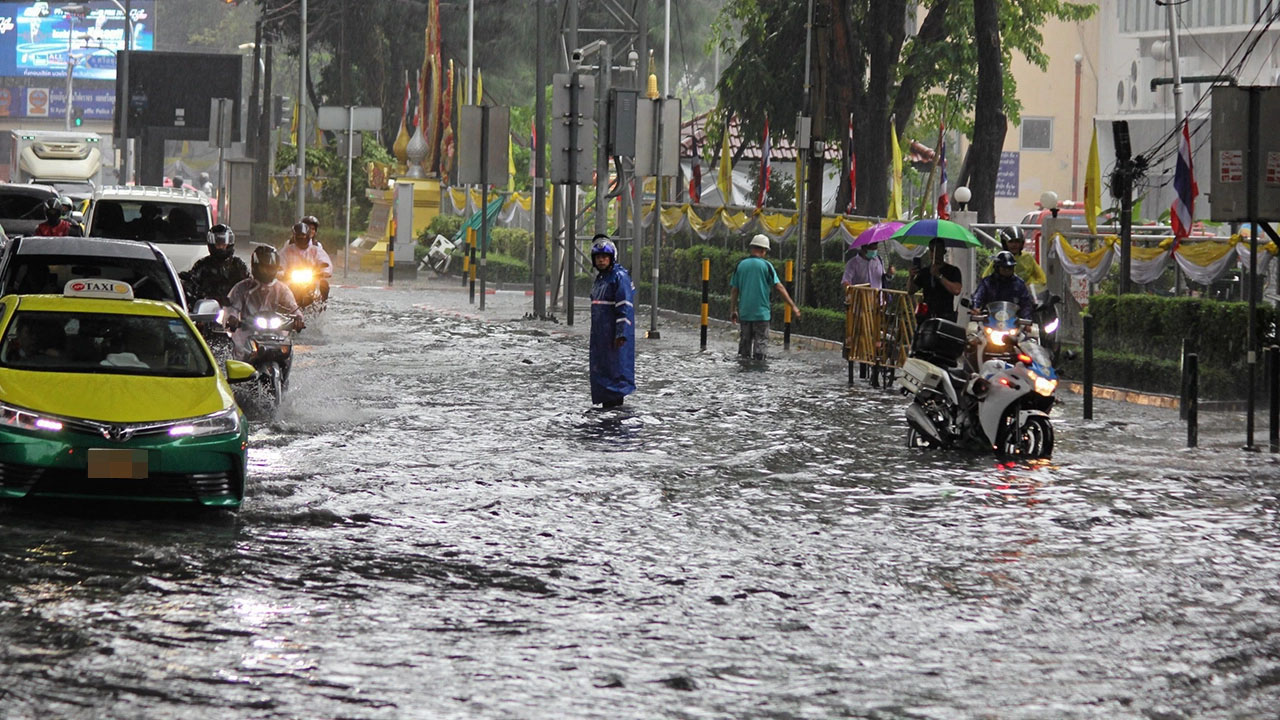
865	67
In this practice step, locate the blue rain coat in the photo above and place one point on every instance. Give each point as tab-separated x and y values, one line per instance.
613	315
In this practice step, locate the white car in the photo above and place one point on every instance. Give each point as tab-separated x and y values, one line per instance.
176	220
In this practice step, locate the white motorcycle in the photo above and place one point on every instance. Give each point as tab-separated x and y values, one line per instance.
1001	408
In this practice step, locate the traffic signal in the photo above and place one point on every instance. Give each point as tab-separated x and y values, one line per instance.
282	111
77	117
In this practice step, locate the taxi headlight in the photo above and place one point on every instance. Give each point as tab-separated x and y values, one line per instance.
17	417
225	422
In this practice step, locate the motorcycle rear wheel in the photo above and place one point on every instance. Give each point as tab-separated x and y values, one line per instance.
1033	440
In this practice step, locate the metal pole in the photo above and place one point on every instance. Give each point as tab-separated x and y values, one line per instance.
653	333
126	158
351	122
1193	399
302	115
571	206
1273	375
539	175
1075	135
1177	71
484	195
471	42
1251	182
602	152
706	299
666	55
802	154
71	64
1088	366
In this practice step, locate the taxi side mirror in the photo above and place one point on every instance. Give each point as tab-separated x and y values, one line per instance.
238	371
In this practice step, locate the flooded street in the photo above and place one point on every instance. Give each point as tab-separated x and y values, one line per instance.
438	526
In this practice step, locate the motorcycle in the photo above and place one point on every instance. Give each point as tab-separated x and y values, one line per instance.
1002	407
269	349
304	282
1047	321
993	330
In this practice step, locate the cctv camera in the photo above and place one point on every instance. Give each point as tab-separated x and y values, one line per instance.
576	58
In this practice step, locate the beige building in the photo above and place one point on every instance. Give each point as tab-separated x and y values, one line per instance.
1049	148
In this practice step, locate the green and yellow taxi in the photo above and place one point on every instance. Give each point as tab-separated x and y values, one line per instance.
103	396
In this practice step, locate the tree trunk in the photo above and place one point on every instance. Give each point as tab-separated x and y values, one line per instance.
989	121
886	31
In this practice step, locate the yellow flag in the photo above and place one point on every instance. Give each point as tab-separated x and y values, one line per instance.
511	165
724	175
800	171
293	127
895	190
1093	186
479	88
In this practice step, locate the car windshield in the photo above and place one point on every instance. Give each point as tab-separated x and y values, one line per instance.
21	206
103	343
160	222
48	274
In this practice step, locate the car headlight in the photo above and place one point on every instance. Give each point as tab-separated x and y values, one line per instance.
225	422
301	276
24	419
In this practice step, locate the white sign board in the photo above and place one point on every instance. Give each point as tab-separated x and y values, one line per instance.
335	117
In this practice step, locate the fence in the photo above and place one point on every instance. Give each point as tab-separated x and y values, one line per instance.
879	325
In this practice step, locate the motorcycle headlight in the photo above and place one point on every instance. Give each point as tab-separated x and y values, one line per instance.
225	422
1043	385
1051	326
24	419
268	323
995	337
301	276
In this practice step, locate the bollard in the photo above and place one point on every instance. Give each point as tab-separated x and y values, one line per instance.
1273	380
1088	366
391	262
1193	399
706	297
1182	382
786	311
472	242
466	255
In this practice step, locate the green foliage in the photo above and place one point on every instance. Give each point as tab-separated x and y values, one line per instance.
1144	334
442	224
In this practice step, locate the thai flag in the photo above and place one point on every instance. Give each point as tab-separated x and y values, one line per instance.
944	202
695	180
764	165
1182	212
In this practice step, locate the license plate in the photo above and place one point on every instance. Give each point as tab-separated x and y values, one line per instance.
117	464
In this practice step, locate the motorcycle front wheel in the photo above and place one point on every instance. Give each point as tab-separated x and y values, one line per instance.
915	440
1033	440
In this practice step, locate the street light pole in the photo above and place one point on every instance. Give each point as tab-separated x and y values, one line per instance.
302	115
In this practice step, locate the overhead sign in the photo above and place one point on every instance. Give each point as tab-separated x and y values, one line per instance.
336	118
51	101
1234	165
37	38
492	126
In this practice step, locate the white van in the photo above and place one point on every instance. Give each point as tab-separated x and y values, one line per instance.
176	220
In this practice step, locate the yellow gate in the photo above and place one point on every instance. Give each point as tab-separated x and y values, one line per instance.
878	326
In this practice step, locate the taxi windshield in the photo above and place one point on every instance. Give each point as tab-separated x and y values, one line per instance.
103	343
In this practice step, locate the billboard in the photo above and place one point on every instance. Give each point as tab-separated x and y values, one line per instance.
37	38
180	108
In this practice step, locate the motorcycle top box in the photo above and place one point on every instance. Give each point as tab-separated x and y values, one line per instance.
918	374
939	341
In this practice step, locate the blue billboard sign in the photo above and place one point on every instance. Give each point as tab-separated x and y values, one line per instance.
1007	174
37	39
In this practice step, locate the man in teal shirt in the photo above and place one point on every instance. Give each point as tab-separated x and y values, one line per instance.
749	297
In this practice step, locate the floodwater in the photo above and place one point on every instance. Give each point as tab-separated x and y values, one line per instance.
438	526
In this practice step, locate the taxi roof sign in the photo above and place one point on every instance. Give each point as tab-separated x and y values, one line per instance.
98	288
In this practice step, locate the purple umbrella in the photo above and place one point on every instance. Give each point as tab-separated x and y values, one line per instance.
875	234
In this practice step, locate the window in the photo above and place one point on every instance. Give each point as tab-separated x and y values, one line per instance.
1037	133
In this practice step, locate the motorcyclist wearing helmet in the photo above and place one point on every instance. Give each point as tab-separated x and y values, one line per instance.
55	225
1013	240
613	331
213	276
313	226
261	292
68	213
301	252
1004	285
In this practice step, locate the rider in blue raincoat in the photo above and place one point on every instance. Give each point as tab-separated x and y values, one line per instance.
613	329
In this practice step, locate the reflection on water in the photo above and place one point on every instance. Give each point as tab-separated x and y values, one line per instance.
439	525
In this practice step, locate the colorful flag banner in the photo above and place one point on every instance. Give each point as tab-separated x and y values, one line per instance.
764	166
1093	186
724	176
1182	212
695	174
944	202
853	170
895	188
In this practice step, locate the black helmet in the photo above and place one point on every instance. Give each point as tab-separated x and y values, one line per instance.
221	235
1013	232
265	264
53	209
1004	259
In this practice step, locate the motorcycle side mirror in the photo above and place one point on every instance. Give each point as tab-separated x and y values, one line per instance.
1055	299
965	302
